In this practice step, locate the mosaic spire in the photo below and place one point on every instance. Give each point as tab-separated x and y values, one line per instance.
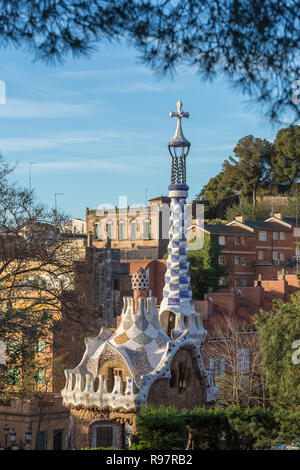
177	300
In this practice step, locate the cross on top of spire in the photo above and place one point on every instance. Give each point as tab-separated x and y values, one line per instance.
180	114
178	140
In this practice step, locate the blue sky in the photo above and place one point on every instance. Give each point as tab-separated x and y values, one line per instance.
98	128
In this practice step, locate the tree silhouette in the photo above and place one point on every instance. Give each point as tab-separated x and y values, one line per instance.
253	43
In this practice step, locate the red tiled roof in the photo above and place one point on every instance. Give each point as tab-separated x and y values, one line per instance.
140	263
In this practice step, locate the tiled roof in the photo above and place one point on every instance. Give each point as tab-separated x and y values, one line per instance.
140	263
221	229
292	221
268	226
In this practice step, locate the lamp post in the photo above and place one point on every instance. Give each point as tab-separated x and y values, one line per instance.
6	431
28	437
12	436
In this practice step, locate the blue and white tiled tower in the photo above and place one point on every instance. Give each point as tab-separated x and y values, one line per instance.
177	303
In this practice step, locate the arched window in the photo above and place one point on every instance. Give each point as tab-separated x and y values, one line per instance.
133	230
182	382
109	230
171	323
98	231
122	230
146	229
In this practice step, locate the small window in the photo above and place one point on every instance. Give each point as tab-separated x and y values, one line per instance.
222	281
147	229
236	240
275	235
243	360
275	255
13	347
282	256
58	439
109	228
237	282
122	230
41	346
41	440
244	281
222	240
182	382
282	236
218	366
40	376
98	231
133	230
104	436
236	260
13	377
221	259
244	261
260	255
244	240
262	236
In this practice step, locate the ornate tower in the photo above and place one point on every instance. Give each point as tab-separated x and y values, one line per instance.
148	359
177	313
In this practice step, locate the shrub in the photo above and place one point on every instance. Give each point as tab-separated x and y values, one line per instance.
161	429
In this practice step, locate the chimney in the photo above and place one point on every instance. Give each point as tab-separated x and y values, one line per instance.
278	215
140	286
240	218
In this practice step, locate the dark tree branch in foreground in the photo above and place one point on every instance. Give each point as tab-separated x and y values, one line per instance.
253	43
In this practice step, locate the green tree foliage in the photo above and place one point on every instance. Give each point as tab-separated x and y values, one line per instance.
249	170
216	196
160	429
259	168
205	270
216	428
205	428
277	331
253	44
286	158
251	428
261	211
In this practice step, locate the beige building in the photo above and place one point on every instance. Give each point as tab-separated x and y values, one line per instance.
139	232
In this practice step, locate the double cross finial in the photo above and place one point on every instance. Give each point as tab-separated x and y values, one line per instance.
179	140
180	114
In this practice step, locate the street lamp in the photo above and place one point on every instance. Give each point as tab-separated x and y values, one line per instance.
6	431
12	436
28	436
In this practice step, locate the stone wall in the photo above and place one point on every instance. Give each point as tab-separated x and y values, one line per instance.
84	421
21	414
168	392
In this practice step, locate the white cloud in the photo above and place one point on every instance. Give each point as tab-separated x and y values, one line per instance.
111	72
72	165
31	144
57	140
17	108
